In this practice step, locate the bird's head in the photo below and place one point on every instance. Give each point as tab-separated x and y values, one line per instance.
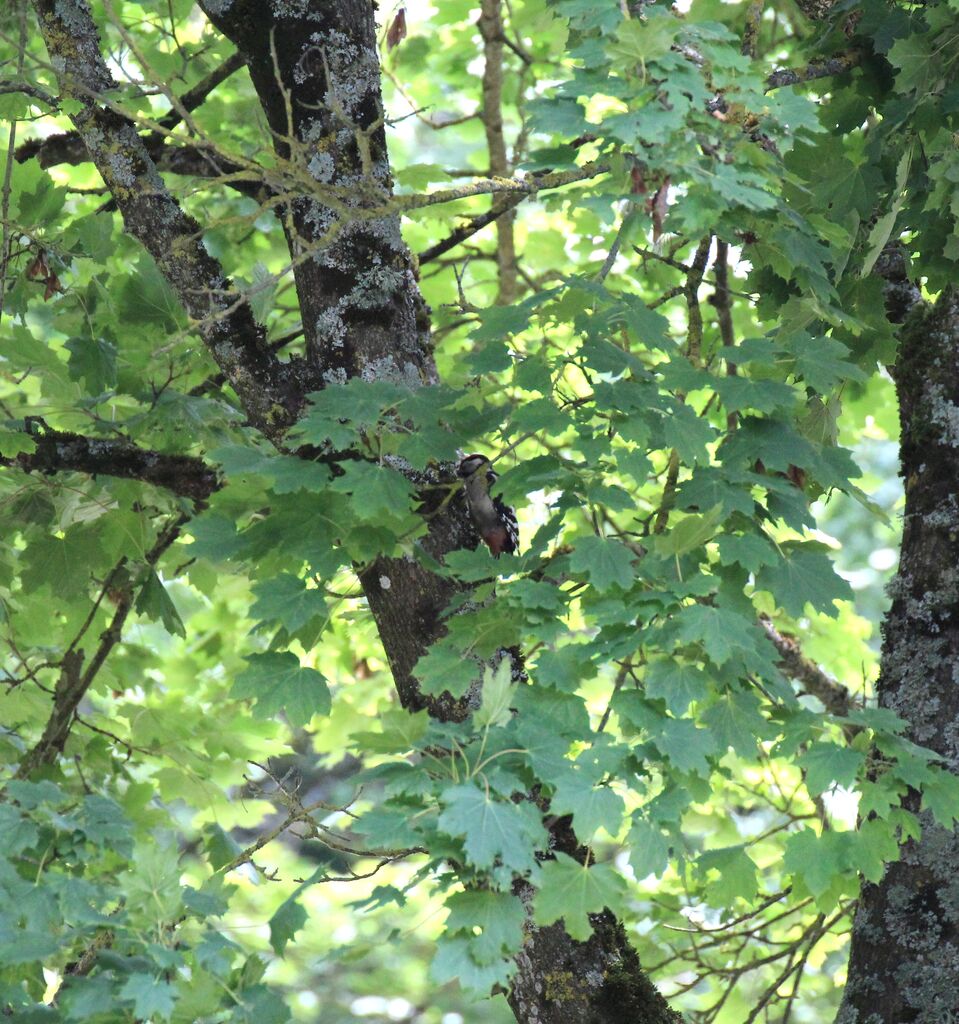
471	464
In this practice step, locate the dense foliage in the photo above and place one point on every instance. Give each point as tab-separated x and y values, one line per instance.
672	340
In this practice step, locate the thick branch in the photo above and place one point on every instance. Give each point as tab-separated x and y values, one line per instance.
835	697
58	451
152	215
824	68
187	160
816	10
68	147
528	186
8	85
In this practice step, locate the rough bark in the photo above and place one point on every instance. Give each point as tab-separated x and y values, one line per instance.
57	451
560	981
68	147
315	68
904	965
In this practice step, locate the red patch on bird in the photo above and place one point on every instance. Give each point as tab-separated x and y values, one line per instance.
497	541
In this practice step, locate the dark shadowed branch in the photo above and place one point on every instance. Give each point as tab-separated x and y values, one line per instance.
58	451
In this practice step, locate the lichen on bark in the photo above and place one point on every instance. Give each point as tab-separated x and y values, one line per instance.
904	964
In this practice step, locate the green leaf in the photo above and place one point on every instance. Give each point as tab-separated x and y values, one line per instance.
82	1002
416	177
493	829
675	682
689	533
375	490
289	474
685	745
650	327
94	361
34	794
740	393
262	293
13	442
737	875
151	997
24	351
358	401
401	731
280	684
827	763
824	863
454	961
940	794
286	921
27	947
719	631
499	321
821	362
103	823
146	298
388	827
499	917
737	185
212	899
648	849
882	229
17	832
591	806
444	667
154	602
688	433
606	562
287	601
570	891
498	691
734	721
153	880
221	847
873	846
39	199
749	550
639	41
804	575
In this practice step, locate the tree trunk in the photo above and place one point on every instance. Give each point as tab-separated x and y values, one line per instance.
904	965
318	78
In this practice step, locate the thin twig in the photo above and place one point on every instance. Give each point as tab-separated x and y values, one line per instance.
721	300
491	31
694	343
621	675
74	680
469	228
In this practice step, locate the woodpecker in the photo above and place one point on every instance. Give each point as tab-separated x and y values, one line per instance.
495	521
